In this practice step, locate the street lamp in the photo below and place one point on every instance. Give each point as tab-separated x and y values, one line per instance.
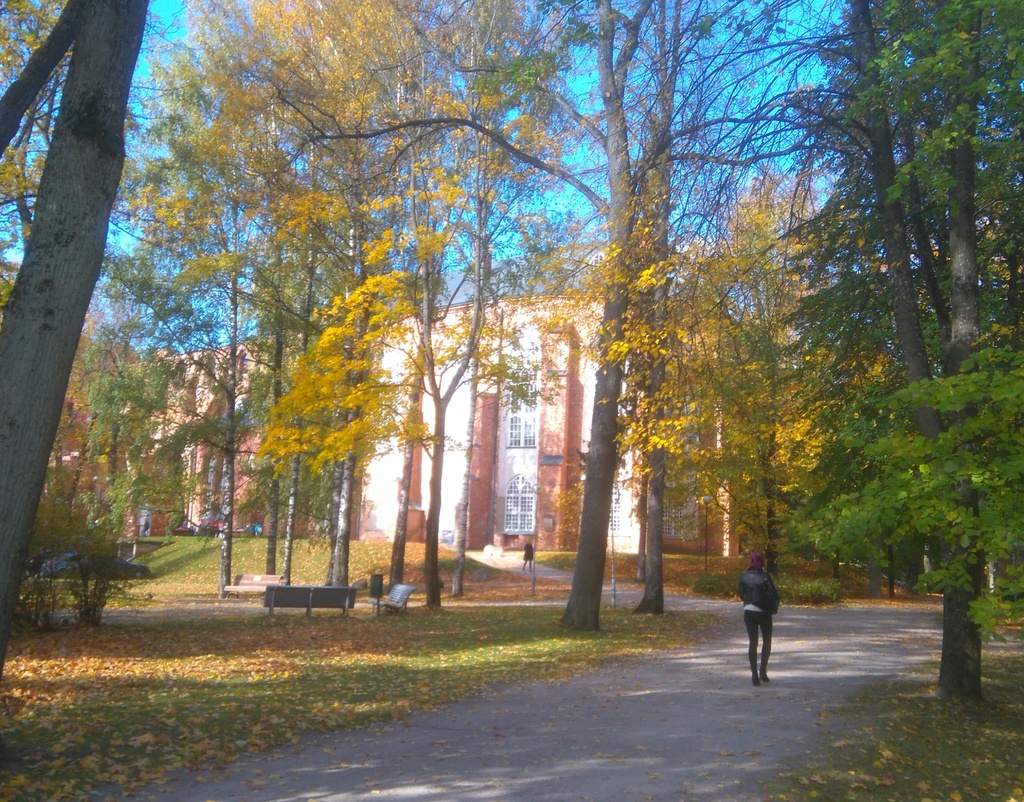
707	501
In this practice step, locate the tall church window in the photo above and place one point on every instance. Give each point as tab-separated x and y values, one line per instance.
522	424
520	505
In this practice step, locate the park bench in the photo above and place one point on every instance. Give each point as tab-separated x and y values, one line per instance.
310	597
253	583
397	598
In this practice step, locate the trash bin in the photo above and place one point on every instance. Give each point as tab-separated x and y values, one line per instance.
376	585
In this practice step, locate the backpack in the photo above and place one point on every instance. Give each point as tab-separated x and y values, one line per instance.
757	588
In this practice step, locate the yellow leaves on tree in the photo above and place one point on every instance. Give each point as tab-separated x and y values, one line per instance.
346	391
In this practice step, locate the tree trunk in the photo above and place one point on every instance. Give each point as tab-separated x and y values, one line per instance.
432	578
583	608
397	574
641	514
292	515
337	499
340	555
274	497
230	437
913	350
273	522
875	579
960	667
462	520
296	462
43	319
960	670
653	600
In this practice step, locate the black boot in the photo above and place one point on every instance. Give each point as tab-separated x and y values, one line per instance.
764	672
753	671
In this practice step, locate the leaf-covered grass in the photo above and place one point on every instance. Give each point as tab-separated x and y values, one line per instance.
127	701
130	700
904	744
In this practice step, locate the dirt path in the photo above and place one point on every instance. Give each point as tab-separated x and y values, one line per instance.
682	726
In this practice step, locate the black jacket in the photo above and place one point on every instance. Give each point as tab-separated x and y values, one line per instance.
757	588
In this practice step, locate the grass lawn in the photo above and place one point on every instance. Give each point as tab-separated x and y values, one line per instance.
138	696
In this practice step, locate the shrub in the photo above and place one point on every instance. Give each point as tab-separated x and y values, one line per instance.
39	599
810	591
92	582
792	591
73	566
716	586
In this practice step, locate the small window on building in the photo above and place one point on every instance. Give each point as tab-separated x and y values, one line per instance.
520	505
679	524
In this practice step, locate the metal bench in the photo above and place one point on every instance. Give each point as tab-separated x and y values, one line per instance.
308	597
397	598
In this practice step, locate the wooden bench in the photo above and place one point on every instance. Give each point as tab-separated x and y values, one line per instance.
253	583
396	599
308	597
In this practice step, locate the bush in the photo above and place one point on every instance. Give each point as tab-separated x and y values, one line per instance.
39	599
792	591
810	591
716	586
73	566
92	582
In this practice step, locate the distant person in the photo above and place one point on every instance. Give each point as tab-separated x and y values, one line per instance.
528	556
760	603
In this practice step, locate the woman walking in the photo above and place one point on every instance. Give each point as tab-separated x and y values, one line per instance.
760	603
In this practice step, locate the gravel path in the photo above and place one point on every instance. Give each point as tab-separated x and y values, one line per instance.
683	726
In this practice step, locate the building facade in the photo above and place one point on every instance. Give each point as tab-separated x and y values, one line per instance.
526	463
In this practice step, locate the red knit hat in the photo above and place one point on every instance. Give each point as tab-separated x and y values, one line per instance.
756	559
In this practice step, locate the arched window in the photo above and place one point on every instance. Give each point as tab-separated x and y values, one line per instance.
520	503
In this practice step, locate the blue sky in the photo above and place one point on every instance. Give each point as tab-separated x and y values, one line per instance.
167	17
167	9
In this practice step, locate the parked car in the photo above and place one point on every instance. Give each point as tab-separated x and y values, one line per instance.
71	562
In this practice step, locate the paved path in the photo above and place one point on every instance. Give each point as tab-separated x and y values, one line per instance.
683	726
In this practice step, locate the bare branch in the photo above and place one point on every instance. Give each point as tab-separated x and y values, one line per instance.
461	122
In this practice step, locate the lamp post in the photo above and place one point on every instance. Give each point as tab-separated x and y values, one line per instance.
707	501
611	538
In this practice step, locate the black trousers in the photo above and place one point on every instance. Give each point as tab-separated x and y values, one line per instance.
758	622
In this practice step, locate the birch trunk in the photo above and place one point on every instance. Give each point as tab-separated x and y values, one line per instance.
462	520
397	574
